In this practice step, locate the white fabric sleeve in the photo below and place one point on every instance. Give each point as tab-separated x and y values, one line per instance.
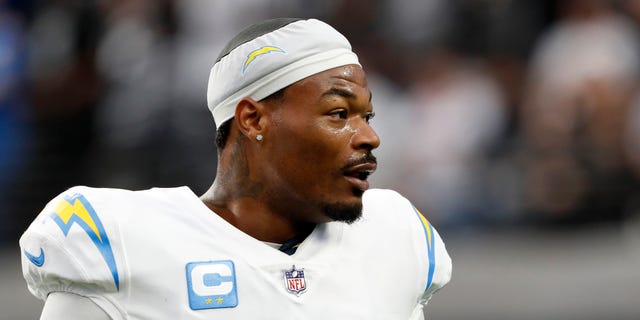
430	259
439	261
71	247
441	278
69	306
444	268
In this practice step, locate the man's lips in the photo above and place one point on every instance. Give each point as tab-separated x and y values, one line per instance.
357	174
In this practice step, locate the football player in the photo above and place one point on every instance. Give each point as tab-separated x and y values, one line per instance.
289	228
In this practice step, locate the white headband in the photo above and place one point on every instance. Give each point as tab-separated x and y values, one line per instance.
272	61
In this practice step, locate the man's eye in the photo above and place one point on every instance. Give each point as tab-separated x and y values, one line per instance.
369	116
339	114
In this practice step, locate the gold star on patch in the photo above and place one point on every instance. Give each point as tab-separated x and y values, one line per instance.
219	300
208	301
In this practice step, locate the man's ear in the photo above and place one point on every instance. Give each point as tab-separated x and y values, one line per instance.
248	117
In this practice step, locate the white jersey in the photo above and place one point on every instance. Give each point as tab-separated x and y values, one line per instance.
162	254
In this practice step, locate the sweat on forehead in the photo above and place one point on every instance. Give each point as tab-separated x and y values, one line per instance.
269	56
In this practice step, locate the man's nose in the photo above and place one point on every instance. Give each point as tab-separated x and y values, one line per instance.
365	137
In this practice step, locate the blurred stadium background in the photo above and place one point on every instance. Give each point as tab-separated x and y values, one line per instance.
515	125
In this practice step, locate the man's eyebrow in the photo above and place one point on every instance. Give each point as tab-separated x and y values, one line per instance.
343	93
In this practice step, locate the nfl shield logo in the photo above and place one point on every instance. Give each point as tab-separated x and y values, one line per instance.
294	280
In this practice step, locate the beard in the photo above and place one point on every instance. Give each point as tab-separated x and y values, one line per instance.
348	213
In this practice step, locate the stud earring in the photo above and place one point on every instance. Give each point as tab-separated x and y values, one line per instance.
259	137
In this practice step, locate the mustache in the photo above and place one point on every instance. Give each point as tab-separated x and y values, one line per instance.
368	158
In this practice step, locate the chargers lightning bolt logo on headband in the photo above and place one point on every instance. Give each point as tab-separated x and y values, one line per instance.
76	209
258	52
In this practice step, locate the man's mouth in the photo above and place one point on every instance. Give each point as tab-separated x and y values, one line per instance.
361	172
357	174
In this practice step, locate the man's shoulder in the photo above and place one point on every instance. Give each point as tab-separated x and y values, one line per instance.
82	210
384	197
76	243
112	205
393	222
389	210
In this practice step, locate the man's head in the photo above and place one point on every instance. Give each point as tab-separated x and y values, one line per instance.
268	56
312	113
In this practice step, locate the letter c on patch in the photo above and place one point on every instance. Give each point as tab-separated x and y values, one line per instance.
212	279
212	284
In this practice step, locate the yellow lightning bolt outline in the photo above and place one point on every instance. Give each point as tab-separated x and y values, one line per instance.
255	53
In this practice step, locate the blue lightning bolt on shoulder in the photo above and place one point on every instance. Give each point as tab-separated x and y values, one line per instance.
77	210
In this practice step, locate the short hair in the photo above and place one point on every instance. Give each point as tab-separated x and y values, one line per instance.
222	135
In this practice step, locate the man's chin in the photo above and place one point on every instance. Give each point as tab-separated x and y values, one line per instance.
343	212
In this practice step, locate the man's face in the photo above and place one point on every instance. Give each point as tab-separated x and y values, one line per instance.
318	146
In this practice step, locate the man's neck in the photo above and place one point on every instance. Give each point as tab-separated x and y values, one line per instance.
252	217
